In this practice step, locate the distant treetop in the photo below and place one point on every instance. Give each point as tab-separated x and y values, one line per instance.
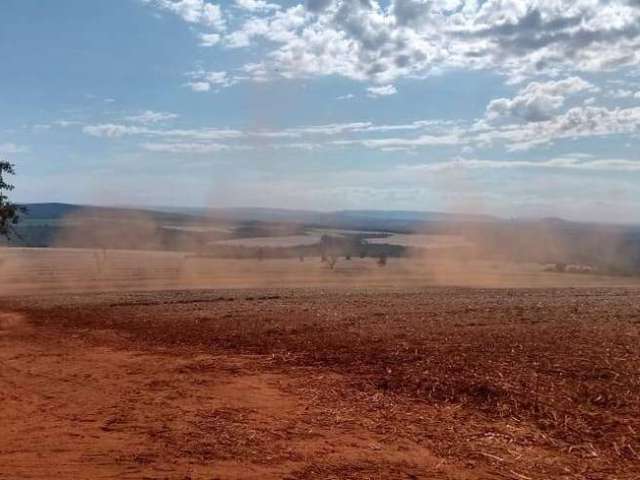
9	211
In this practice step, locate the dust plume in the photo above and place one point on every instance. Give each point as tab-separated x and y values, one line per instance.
494	252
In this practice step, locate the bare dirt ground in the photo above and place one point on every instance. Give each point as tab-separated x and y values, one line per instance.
33	270
352	383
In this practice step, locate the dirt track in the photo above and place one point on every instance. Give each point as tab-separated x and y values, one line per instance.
431	383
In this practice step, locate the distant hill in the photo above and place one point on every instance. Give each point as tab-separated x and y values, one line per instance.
393	220
415	216
41	211
59	211
46	223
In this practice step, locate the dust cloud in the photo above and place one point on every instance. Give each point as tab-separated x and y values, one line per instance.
526	252
136	250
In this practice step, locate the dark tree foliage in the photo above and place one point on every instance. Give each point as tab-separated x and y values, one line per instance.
9	211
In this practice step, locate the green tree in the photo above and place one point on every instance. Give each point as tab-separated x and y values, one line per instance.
9	211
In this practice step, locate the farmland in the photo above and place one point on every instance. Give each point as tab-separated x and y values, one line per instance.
53	270
320	240
163	346
285	369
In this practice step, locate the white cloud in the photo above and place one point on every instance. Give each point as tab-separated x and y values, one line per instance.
297	145
577	122
382	91
434	126
622	93
568	163
280	27
115	131
194	11
256	5
537	101
330	129
203	81
110	130
209	39
402	143
149	117
365	40
189	148
66	123
199	86
327	129
12	148
348	96
368	40
221	79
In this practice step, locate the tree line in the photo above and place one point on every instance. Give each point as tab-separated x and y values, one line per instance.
9	211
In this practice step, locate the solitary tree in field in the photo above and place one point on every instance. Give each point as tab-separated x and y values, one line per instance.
9	211
329	250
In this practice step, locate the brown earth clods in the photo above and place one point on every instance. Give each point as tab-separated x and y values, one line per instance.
430	383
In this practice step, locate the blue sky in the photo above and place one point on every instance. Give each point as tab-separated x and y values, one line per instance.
509	107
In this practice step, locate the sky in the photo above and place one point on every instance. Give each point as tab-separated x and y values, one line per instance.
517	108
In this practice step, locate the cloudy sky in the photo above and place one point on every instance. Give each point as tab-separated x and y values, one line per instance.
510	107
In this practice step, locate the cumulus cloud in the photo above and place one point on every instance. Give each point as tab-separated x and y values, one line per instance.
256	5
209	39
199	86
379	42
317	5
411	12
280	27
381	91
537	101
577	122
203	81
193	11
620	93
221	79
366	41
